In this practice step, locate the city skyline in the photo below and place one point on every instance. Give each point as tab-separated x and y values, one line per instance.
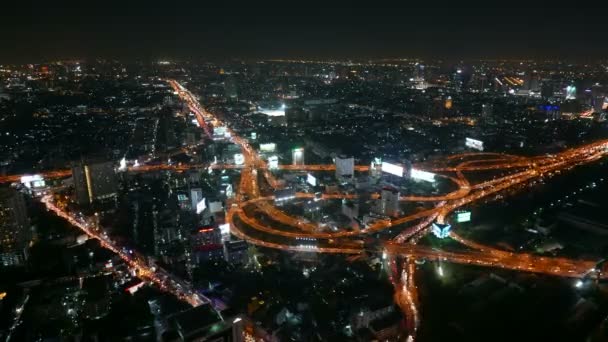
173	173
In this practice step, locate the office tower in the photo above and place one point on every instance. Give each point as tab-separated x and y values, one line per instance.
206	244
389	202
297	156
458	79
236	251
15	232
597	98
487	109
231	88
94	181
197	201
295	115
546	90
345	166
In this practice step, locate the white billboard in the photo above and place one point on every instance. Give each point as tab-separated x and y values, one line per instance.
474	143
122	164
35	180
201	206
239	159
269	147
422	175
38	184
273	162
310	179
220	131
272	112
224	228
393	169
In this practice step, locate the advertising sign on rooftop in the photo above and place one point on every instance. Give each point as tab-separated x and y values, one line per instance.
422	175
393	169
474	143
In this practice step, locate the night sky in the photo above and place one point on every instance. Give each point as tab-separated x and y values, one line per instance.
36	33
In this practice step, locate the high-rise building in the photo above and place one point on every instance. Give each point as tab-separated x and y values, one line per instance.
94	182
231	88
236	251
207	244
546	90
345	166
597	98
297	156
295	115
458	79
15	232
196	196
487	110
389	201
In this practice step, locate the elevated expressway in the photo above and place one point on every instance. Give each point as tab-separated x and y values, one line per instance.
282	231
291	230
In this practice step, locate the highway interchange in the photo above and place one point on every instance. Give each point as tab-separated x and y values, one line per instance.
282	231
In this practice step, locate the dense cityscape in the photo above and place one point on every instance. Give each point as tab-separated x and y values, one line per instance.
304	199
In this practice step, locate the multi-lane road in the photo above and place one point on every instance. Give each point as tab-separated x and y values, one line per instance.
526	169
246	214
163	279
521	170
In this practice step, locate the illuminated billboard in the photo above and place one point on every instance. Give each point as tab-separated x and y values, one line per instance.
273	162
393	169
122	164
441	230
463	216
224	228
38	184
201	206
219	130
239	159
570	92
134	288
269	147
310	179
272	112
474	143
35	180
422	175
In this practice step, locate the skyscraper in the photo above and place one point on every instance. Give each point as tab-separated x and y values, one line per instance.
94	182
546	90
487	111
15	232
206	244
597	98
196	196
389	202
231	88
